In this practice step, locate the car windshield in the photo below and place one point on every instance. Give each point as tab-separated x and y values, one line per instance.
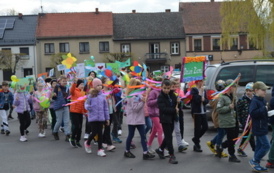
208	73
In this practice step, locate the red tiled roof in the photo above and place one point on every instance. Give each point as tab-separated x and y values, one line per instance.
75	24
201	17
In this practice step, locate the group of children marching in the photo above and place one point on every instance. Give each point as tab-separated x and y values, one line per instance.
157	109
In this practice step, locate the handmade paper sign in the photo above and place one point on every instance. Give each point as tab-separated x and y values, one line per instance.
22	85
123	64
43	75
114	67
80	72
51	72
193	68
100	66
61	67
90	63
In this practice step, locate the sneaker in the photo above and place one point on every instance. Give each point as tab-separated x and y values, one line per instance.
86	136
269	165
173	160
110	147
78	145
23	139
185	143
219	151
10	117
224	155
116	140
259	168
148	156
241	153
41	135
101	153
252	163
119	132
197	149
151	150
132	146
182	148
166	153
234	159
160	153
129	154
95	142
7	132
56	136
211	146
87	147
104	145
72	142
2	131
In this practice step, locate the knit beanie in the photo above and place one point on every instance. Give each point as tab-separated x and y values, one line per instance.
96	82
79	81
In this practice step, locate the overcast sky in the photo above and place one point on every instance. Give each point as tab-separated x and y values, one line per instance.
116	6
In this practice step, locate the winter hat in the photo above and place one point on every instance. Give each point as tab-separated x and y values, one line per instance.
79	81
96	82
249	86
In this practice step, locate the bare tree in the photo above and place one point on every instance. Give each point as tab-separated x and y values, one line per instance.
10	61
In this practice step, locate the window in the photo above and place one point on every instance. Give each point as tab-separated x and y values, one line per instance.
49	48
175	48
104	46
197	44
24	51
265	74
64	47
125	48
154	50
27	72
165	68
216	44
252	44
84	47
247	73
234	44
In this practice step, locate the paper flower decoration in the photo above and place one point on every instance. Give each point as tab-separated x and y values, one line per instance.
69	60
136	68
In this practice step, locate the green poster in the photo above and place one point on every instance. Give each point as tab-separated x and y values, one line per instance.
193	71
89	63
114	67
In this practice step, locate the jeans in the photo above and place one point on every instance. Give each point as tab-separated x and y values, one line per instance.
177	131
200	127
131	131
167	142
62	115
76	126
4	116
219	137
148	124
271	152
262	147
24	120
114	121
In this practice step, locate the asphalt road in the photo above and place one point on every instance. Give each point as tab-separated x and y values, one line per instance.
45	155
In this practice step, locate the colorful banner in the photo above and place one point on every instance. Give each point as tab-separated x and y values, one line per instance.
123	64
89	63
80	70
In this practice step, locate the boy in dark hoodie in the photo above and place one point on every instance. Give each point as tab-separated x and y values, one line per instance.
258	112
6	99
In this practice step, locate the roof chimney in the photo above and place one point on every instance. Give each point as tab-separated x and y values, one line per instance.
96	11
168	10
20	15
133	11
